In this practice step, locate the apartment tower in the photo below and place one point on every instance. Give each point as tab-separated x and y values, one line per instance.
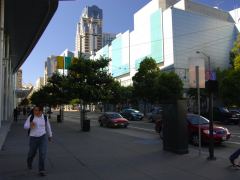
89	31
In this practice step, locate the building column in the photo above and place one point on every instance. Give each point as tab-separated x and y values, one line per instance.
1	56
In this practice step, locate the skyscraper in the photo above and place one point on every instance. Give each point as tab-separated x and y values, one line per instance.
89	31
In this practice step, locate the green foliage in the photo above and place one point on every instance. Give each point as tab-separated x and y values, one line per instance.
235	54
89	79
229	87
24	102
237	63
144	81
169	87
55	92
154	86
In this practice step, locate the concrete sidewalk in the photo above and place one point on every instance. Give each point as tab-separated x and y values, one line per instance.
103	154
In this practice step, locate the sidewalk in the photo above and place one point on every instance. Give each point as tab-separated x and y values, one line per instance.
103	154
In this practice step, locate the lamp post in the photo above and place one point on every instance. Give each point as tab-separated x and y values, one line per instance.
209	85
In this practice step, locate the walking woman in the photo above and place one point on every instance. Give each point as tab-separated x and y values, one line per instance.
39	134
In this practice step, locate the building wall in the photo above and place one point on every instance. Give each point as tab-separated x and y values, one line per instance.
236	17
194	32
172	37
39	83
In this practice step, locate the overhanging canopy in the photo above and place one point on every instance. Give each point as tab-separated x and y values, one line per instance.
25	22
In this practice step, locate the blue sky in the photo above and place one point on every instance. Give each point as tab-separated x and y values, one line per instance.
60	33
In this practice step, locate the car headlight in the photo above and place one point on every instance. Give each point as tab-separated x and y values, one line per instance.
206	131
227	131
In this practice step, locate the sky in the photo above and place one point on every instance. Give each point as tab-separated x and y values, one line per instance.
60	32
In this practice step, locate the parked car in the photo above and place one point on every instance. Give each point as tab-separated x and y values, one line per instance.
155	114
223	115
112	119
220	134
132	114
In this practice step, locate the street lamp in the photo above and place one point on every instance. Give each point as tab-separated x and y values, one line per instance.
209	84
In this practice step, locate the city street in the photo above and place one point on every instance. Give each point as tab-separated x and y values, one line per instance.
145	129
135	153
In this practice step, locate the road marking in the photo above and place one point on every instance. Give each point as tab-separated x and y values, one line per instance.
232	142
134	127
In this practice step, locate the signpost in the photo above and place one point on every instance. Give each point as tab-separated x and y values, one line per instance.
197	80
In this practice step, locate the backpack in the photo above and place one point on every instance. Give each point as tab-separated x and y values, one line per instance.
31	119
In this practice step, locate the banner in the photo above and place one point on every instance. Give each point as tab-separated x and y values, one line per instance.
68	61
60	62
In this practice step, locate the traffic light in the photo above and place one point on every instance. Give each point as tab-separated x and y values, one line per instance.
211	86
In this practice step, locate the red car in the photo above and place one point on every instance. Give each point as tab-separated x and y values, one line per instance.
112	119
220	134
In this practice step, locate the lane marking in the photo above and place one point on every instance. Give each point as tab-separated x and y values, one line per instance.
134	127
232	142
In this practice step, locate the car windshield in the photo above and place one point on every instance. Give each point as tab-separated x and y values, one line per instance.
114	115
195	120
223	110
134	110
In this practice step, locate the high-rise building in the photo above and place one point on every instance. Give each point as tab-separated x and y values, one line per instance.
107	38
89	31
50	67
39	83
19	79
51	64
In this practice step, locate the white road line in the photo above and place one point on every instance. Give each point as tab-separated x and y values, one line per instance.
133	127
232	142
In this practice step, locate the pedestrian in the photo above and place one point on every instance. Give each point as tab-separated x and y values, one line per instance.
40	133
15	114
234	156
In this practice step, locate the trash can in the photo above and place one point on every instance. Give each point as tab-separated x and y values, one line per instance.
86	125
59	118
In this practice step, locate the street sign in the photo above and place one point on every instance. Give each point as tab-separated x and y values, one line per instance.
193	63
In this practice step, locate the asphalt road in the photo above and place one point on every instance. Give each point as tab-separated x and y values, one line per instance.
145	129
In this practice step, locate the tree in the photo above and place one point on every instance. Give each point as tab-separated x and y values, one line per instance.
120	95
235	54
229	88
169	87
24	102
144	81
90	81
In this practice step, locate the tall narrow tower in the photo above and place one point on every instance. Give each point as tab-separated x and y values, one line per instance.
89	31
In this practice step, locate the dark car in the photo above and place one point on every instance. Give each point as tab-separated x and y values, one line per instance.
132	114
220	134
112	119
223	115
155	114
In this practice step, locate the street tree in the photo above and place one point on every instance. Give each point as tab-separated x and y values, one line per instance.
169	87
145	80
229	88
90	81
235	54
120	95
58	91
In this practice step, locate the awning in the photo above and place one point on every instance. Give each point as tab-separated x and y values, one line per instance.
25	22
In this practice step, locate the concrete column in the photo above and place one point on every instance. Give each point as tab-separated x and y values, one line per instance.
1	56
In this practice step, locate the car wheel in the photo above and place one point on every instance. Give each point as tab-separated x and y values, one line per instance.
195	139
151	119
131	118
